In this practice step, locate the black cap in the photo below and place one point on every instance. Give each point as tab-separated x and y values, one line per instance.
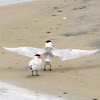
37	55
48	41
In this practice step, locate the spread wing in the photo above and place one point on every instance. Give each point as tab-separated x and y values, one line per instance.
66	54
26	51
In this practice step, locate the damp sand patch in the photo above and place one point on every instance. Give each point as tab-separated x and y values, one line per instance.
74	34
96	44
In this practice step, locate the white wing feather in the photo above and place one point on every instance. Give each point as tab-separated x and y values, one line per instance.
26	51
66	54
31	62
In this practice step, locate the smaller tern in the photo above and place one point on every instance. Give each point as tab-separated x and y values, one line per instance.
35	64
48	51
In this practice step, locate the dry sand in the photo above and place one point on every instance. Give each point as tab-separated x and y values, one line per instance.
31	24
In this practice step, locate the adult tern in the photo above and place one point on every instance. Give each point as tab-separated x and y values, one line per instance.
48	51
35	64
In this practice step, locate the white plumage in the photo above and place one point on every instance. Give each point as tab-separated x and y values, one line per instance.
35	64
66	54
26	51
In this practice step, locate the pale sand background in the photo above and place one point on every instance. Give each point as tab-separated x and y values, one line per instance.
27	25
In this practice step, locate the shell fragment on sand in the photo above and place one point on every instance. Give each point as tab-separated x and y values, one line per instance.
64	18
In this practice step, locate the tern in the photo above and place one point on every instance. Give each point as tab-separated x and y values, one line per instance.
35	64
49	51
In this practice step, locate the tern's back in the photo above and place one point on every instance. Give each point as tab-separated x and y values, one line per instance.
48	54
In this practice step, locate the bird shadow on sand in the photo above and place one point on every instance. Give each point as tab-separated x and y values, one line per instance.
69	68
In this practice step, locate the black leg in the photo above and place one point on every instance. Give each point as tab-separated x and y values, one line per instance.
50	68
32	73
45	67
37	73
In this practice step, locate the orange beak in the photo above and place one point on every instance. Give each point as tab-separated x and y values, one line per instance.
39	56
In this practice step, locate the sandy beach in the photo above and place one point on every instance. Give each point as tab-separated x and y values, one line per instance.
68	24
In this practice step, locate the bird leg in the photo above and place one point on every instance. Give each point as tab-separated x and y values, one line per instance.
50	68
32	73
45	67
37	73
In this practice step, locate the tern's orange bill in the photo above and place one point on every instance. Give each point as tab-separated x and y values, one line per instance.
39	56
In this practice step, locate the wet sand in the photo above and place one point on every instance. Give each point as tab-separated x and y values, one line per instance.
31	24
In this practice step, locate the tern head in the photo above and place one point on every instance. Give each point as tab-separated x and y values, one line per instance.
38	56
48	43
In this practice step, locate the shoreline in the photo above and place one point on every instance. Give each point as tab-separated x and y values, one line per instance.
11	92
15	91
14	2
